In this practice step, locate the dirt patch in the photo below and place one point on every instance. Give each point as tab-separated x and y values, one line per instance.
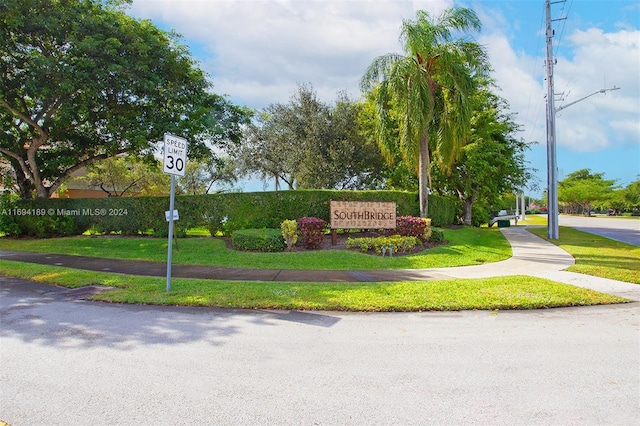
87	291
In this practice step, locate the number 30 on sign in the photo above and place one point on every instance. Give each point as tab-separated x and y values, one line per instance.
175	155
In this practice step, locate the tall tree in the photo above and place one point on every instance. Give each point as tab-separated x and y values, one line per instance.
309	144
491	163
341	157
431	80
80	81
275	142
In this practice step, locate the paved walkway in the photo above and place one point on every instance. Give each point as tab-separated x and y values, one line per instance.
532	256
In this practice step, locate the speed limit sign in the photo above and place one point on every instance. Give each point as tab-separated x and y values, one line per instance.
175	155
174	163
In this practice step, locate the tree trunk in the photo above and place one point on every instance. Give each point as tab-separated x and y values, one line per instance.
467	207
25	187
424	164
34	169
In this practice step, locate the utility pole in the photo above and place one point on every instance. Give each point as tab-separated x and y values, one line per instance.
552	165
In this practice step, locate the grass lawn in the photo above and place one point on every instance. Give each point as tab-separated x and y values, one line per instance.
534	220
598	256
487	294
467	246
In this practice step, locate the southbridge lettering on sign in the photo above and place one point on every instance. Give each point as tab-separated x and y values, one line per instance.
362	215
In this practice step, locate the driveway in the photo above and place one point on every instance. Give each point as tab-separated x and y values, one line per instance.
73	362
625	230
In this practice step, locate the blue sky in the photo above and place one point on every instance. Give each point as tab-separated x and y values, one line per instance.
257	52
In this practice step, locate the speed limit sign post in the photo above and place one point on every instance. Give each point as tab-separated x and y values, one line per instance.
174	163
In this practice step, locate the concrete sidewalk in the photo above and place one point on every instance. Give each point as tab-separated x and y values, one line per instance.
532	256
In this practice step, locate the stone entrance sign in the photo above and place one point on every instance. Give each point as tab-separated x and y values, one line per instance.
362	215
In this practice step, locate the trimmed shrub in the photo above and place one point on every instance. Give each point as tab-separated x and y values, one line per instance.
8	225
410	226
401	244
480	215
427	231
437	236
268	240
311	231
289	230
444	211
46	226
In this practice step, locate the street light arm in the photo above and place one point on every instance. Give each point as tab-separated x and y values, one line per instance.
582	99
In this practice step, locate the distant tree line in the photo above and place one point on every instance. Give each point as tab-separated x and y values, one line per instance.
583	192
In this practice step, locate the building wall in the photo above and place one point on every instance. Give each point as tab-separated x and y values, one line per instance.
81	193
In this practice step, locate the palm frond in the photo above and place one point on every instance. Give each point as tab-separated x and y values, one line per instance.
378	69
460	19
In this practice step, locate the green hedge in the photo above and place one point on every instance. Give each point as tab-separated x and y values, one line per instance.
126	215
267	240
223	213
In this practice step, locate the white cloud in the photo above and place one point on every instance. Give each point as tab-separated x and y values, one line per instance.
258	51
592	60
523	89
627	127
600	60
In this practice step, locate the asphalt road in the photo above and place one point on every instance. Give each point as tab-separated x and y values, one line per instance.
73	362
625	230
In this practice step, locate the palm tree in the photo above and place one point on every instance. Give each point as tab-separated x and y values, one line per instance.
427	88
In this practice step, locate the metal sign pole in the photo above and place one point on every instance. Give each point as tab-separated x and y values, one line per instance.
169	249
175	159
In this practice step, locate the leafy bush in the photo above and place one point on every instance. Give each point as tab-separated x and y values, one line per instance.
40	224
437	236
401	244
8	225
289	232
480	215
311	231
268	240
427	231
410	226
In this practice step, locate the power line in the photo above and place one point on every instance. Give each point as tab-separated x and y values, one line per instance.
564	21
533	116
